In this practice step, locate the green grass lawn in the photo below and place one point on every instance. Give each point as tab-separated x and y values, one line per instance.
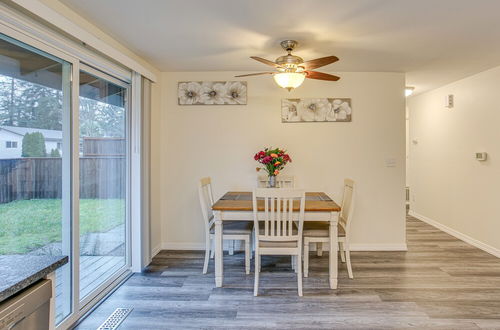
26	225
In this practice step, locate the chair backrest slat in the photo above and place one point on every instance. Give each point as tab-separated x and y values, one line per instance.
290	217
278	213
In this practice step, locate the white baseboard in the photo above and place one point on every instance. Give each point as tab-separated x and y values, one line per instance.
467	239
156	250
379	247
354	247
182	246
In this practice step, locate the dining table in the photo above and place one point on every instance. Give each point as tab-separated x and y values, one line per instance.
238	206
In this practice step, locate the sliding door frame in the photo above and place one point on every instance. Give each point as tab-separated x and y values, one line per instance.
128	106
71	168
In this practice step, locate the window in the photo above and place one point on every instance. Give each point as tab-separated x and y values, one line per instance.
103	178
11	144
71	172
34	101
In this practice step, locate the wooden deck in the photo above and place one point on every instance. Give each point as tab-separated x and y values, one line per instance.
93	270
439	283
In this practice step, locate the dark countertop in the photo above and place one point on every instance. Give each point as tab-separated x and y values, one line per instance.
17	272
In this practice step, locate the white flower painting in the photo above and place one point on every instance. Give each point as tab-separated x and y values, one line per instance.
212	92
316	110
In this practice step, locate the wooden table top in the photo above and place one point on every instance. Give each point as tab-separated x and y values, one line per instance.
242	201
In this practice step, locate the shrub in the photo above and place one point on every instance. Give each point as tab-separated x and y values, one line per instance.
55	153
34	145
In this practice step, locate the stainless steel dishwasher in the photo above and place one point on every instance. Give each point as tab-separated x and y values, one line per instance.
29	309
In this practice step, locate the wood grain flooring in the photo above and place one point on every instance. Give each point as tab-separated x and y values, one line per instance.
440	283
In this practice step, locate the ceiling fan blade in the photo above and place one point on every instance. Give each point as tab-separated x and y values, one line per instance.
321	76
319	62
254	74
263	60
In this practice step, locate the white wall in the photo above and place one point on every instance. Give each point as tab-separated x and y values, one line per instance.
220	141
447	184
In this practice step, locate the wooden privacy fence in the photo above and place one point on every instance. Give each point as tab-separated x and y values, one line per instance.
39	178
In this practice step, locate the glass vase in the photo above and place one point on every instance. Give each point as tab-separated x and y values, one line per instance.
272	181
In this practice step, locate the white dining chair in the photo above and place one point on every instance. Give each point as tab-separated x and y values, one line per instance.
282	181
318	232
278	229
232	230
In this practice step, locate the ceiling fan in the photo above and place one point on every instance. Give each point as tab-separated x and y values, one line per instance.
291	70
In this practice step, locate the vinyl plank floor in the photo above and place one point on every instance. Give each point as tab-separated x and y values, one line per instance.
439	283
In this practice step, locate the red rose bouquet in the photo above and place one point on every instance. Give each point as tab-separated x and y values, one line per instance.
273	160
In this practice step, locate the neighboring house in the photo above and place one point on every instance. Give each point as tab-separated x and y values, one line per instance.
11	140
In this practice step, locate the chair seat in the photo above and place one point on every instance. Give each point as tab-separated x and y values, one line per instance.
235	228
320	229
284	244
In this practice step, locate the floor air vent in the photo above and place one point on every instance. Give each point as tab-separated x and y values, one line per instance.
115	319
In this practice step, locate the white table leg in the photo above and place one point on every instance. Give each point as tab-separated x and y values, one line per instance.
334	246
219	266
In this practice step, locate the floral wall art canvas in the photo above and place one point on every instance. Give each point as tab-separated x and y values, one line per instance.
212	92
316	109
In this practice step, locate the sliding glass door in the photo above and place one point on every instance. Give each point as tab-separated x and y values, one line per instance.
35	106
103	178
64	168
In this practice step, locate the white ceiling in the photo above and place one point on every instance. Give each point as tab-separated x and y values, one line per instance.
434	41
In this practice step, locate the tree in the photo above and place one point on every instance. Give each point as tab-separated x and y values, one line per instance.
55	153
27	104
34	145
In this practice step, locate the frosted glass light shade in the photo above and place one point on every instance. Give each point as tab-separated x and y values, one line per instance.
289	80
409	91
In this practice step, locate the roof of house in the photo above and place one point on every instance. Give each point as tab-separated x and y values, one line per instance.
48	134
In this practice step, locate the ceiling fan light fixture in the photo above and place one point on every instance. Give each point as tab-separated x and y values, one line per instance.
409	90
292	70
289	80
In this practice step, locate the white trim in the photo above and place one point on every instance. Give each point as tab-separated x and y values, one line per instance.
145	155
137	229
379	247
50	15
183	246
196	246
90	298
155	251
354	247
104	74
467	239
